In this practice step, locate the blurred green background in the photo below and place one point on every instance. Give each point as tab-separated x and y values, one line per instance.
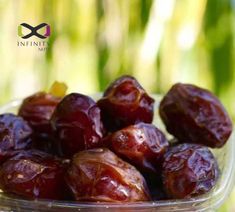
92	42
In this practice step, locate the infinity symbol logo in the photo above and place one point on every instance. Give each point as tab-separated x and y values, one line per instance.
34	31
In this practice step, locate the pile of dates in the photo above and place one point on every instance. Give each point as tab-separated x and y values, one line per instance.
72	147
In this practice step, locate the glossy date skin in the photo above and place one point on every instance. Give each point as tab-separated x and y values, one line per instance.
195	115
15	135
143	145
77	124
189	170
34	174
125	103
38	109
99	175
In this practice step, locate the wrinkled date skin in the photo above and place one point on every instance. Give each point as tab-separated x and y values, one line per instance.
15	135
38	109
195	115
143	145
125	103
189	170
34	174
99	175
77	124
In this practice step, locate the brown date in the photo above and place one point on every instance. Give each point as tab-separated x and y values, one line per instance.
37	110
189	170
125	103
195	115
15	135
33	174
77	124
143	145
99	175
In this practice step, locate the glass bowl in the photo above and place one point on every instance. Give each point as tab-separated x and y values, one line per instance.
207	202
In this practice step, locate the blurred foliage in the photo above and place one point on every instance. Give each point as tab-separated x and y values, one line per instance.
92	42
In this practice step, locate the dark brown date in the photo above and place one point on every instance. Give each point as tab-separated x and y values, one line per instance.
189	170
99	175
77	124
142	145
195	115
37	110
125	103
33	174
15	135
